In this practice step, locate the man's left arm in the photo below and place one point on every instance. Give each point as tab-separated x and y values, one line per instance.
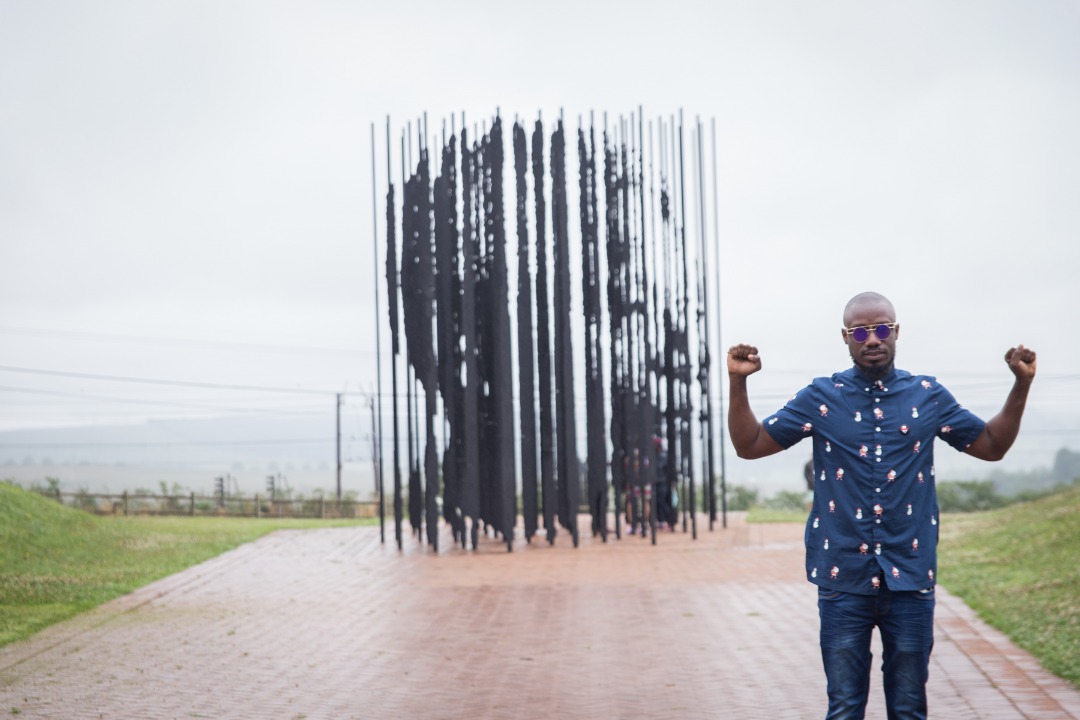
1001	430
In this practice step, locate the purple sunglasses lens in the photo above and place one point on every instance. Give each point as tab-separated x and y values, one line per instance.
859	334
882	331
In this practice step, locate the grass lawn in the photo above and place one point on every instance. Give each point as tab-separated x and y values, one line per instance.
1017	567
56	562
758	514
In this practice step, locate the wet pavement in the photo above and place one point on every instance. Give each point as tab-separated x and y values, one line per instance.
332	624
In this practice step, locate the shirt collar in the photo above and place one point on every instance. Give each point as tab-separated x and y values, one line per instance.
857	374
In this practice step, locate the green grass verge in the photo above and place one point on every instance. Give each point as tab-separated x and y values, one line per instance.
56	562
758	514
1017	568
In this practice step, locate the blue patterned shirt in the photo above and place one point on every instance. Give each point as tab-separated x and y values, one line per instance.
875	511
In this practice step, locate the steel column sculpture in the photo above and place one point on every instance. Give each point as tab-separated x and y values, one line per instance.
448	287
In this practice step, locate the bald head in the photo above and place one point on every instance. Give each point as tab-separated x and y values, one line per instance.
868	303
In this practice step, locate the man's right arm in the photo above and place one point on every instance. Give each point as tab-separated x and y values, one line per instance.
747	434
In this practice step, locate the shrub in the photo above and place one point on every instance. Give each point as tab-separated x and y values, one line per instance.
741	498
969	496
786	500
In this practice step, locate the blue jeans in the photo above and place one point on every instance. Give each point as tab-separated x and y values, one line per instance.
906	623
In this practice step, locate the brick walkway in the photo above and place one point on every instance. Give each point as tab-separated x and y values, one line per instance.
330	624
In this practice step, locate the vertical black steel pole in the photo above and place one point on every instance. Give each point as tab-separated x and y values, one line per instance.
687	409
503	358
392	301
526	400
549	494
568	467
448	305
378	343
719	341
596	450
648	311
654	354
470	487
415	494
677	452
705	357
615	313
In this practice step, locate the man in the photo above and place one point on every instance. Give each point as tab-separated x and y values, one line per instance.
871	538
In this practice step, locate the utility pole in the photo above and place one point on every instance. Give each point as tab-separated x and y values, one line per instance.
339	448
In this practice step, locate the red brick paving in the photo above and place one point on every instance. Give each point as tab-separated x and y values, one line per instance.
330	624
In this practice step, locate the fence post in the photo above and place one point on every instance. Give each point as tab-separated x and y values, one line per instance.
322	508
193	504
258	508
125	502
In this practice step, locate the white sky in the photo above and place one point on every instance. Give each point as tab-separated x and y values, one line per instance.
185	187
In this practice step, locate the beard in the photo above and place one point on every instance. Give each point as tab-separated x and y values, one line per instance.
877	372
874	372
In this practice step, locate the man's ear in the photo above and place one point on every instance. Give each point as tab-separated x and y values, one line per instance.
897	331
843	334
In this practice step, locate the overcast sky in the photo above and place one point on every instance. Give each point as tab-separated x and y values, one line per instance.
185	187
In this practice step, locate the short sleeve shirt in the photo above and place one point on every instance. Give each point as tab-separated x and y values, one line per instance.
875	511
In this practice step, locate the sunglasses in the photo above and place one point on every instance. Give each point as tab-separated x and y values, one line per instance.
861	333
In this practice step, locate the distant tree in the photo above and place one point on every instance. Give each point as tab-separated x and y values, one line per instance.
786	500
1067	465
969	496
741	498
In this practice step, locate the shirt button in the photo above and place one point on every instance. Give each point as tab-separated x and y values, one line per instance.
878	522
866	389
877	429
877	489
877	459
877	399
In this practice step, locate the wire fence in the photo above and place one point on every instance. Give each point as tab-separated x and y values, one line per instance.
193	505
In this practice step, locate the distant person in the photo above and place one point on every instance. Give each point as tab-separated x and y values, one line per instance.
638	497
665	496
871	538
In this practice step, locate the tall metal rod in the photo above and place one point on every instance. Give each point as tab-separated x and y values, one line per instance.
470	492
526	352
392	301
687	409
614	290
677	313
543	340
566	441
596	460
647	424
672	348
378	343
654	429
415	494
705	357
719	342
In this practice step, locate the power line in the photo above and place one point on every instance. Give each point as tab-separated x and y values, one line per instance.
187	342
153	381
189	443
134	401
